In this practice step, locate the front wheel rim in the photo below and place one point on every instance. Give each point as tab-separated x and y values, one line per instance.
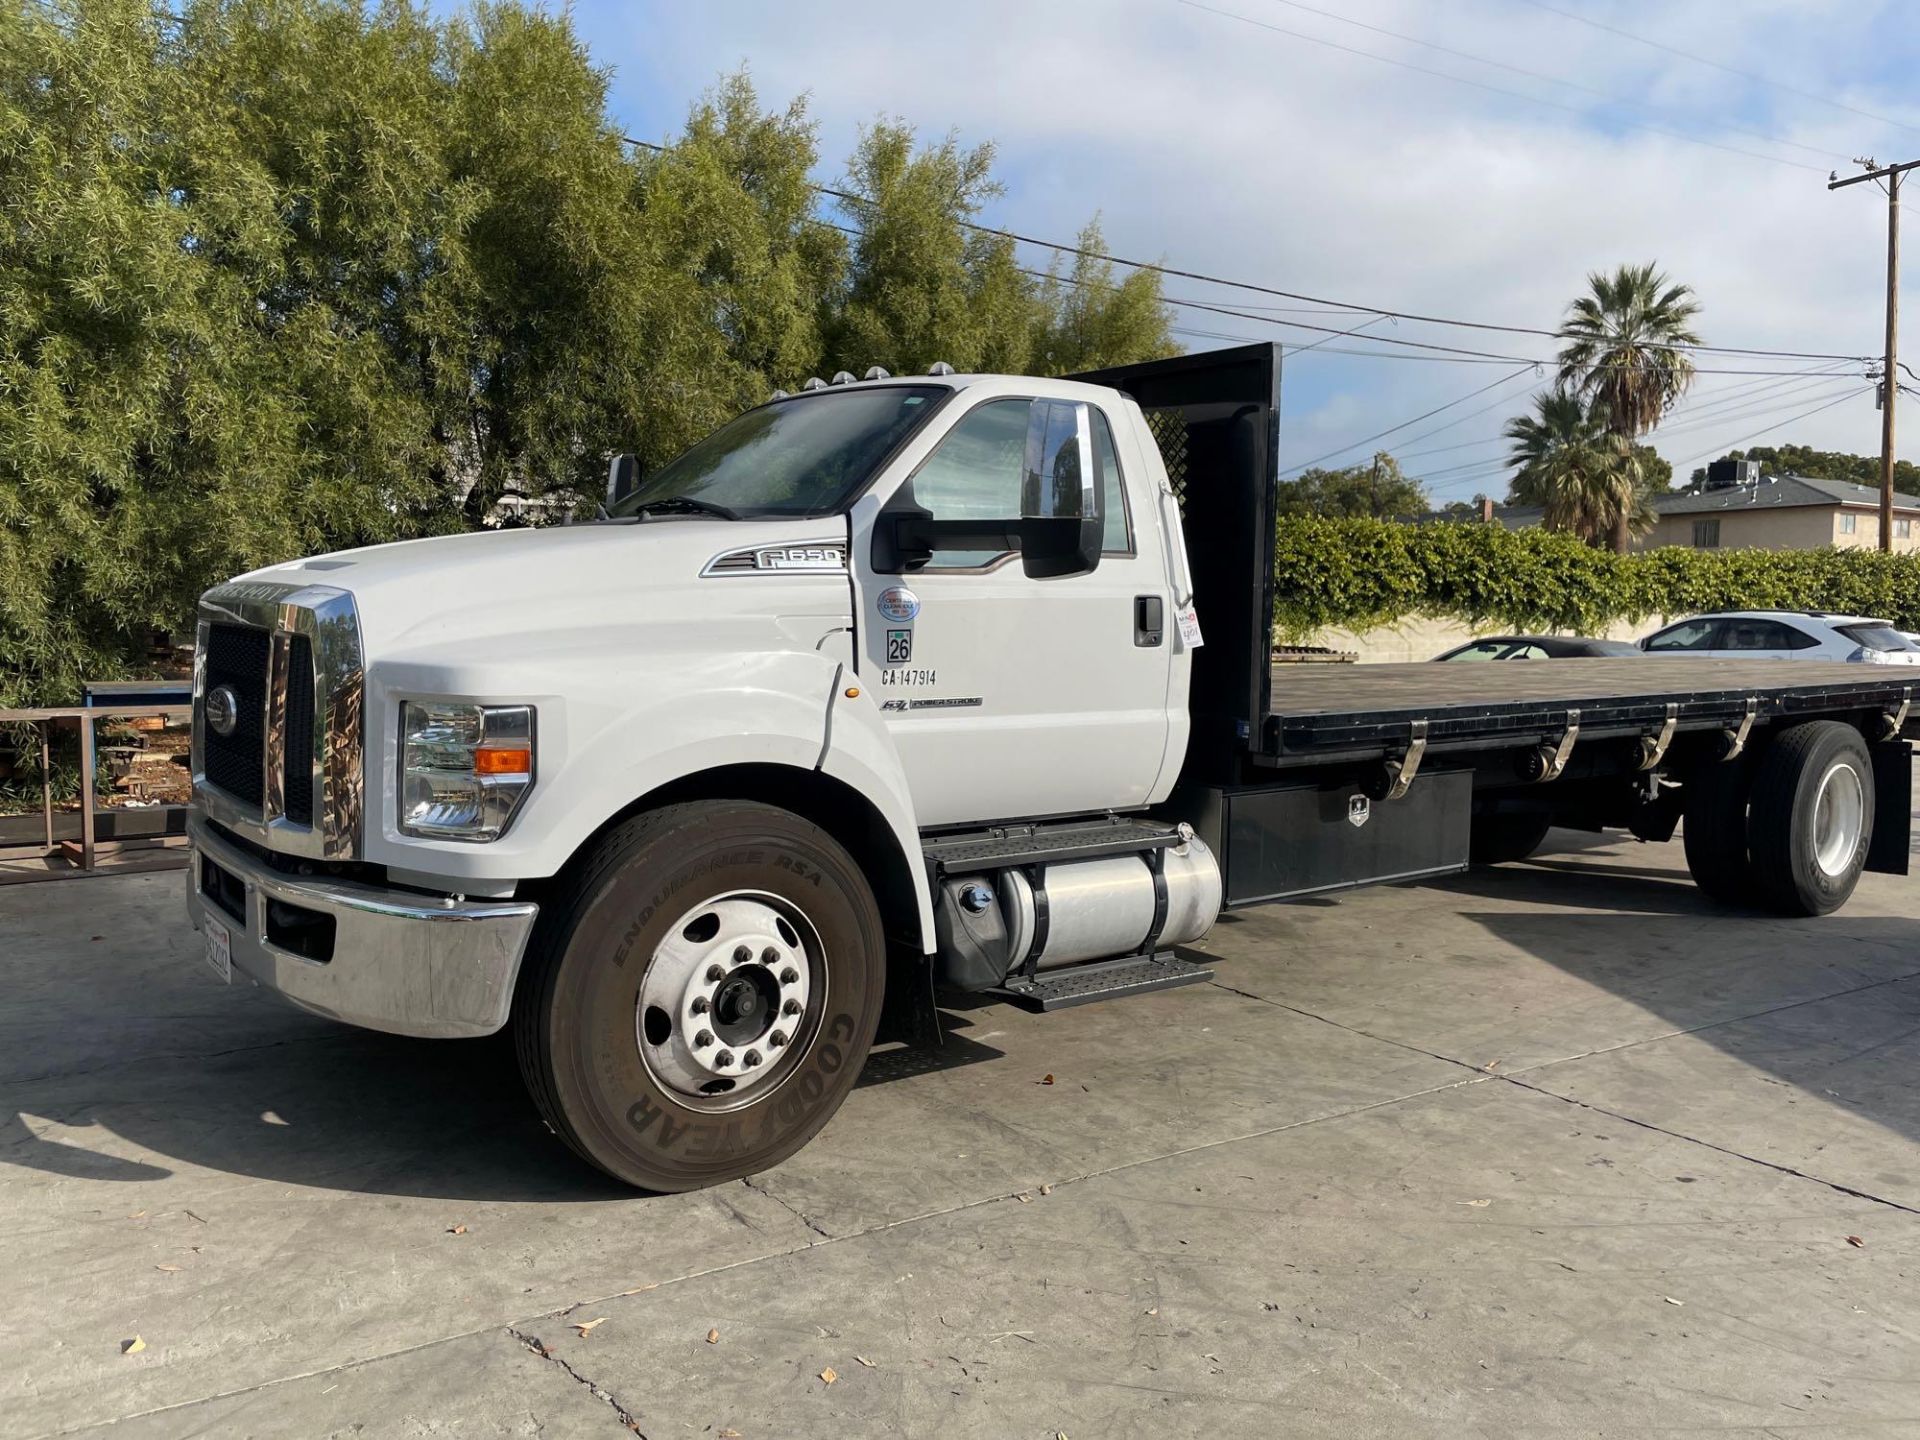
1839	818
731	1000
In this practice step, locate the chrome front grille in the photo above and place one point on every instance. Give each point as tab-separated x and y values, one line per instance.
289	772
236	661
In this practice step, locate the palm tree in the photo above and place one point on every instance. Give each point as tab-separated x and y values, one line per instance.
1624	350
1586	478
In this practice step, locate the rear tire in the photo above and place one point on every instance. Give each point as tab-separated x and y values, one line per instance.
1502	836
1811	819
701	994
1714	832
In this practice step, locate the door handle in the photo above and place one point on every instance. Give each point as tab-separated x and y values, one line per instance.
1149	620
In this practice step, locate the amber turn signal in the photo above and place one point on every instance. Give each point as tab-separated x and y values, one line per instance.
497	760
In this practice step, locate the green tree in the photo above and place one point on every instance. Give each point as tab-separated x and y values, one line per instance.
738	268
1624	350
925	283
285	276
1090	320
1376	489
1586	478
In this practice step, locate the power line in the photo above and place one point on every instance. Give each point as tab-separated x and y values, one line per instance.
1468	55
1308	465
1737	397
1717	65
1494	89
848	197
1473	471
1791	420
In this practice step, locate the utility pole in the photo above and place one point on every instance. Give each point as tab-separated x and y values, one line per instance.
1889	388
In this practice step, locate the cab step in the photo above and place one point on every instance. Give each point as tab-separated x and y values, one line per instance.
1102	980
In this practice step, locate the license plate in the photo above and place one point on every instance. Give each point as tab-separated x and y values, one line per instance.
219	950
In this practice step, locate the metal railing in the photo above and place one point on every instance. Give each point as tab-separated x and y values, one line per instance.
84	717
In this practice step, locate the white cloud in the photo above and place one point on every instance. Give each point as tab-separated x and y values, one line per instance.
1221	147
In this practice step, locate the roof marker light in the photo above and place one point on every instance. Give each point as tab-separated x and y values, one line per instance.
814	382
843	377
940	367
878	372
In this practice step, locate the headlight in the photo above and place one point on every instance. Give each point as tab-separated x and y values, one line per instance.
464	769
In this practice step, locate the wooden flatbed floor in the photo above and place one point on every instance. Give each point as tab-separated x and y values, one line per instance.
1316	709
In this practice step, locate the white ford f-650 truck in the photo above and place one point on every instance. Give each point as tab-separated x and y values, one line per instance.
899	684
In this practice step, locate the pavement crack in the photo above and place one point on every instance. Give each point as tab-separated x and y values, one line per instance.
793	1210
599	1392
1350	1029
1514	1079
1727	1150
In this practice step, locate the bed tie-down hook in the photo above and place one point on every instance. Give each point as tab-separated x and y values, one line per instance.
1737	739
1549	762
1653	748
1400	773
1897	719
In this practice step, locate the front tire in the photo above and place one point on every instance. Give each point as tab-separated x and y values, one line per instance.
700	996
1811	819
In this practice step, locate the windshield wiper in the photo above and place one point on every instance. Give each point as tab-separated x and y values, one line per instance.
668	503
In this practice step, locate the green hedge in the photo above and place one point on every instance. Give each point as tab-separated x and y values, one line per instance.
1362	573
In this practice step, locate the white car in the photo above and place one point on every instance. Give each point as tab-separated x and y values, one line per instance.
1786	635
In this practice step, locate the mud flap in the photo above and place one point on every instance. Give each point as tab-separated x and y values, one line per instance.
1890	851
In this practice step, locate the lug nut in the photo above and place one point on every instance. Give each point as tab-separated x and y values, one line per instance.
776	1040
723	1059
742	954
769	956
703	1039
750	1059
715	974
792	1007
789	976
699	1006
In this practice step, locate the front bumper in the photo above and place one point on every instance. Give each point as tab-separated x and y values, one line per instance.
400	961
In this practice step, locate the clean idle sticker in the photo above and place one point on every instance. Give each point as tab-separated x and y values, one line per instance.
898	604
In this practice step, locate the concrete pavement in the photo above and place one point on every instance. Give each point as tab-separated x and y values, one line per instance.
1555	1149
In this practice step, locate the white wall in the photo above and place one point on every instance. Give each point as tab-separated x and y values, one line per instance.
1418	639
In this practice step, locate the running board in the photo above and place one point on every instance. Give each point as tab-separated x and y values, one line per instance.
1102	980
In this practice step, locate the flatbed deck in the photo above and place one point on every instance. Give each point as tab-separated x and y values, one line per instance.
1320	713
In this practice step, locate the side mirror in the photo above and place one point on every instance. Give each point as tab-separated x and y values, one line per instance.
623	477
1061	527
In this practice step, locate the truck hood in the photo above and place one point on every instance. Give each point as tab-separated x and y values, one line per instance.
498	583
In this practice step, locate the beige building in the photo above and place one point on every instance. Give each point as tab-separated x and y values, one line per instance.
1782	512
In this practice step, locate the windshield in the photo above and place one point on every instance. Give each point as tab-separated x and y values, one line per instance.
805	456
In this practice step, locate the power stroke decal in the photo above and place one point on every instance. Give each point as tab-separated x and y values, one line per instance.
967	702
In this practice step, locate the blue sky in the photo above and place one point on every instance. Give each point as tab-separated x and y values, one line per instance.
1238	138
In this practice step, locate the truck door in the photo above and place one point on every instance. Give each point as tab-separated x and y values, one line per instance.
1008	695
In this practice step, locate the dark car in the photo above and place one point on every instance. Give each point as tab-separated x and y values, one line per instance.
1537	647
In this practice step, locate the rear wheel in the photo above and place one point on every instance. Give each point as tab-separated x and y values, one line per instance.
701	995
1811	817
1501	836
1714	831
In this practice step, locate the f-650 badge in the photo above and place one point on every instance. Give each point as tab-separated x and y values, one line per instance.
800	557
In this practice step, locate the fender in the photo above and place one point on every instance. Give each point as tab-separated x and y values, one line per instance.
643	727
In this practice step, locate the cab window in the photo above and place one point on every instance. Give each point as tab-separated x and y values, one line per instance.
1687	635
981	471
